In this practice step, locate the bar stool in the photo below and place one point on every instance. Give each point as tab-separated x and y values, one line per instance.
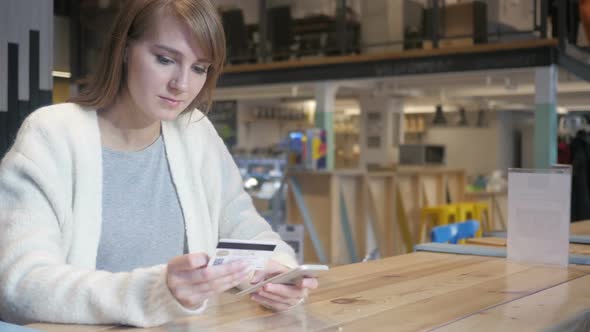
467	211
482	213
437	216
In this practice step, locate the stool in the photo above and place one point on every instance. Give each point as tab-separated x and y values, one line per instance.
467	211
437	215
482	213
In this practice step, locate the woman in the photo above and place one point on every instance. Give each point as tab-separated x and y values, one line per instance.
110	205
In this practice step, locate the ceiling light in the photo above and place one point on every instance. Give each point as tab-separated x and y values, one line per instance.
439	117
250	183
462	120
310	105
482	120
61	74
562	110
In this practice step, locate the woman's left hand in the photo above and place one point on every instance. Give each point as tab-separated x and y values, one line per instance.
280	297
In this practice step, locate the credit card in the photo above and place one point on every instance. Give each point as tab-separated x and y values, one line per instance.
254	253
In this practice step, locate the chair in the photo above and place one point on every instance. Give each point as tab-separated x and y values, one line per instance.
482	213
467	229
445	234
468	211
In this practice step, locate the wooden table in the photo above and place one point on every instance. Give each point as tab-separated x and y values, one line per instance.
580	249
579	232
580	228
414	292
532	313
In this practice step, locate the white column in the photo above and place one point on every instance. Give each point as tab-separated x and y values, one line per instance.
325	95
545	116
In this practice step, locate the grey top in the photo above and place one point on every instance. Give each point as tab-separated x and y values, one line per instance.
142	221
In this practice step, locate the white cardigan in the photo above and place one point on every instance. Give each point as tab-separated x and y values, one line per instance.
50	220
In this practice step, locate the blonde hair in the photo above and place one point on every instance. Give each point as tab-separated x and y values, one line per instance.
132	22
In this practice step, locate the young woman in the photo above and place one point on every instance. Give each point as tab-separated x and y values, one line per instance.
110	204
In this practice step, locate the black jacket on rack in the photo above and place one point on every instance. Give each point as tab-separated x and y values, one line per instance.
572	19
580	152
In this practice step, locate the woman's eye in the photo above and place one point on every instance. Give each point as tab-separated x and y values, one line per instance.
164	60
200	69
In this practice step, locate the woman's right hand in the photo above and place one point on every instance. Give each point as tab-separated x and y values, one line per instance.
191	281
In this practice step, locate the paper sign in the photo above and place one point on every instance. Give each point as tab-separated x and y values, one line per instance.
539	216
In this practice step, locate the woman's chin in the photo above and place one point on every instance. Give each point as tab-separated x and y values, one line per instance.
168	115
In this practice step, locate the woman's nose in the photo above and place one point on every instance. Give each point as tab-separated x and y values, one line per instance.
180	81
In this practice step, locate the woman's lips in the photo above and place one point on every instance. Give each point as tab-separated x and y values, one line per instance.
170	101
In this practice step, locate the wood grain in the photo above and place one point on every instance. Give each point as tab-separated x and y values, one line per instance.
532	313
69	328
580	228
580	249
413	292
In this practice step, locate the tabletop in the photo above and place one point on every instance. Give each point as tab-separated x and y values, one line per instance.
533	313
580	249
415	292
580	228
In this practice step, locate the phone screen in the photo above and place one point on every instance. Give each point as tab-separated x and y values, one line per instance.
289	277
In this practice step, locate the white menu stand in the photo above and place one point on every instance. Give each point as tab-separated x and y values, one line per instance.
539	215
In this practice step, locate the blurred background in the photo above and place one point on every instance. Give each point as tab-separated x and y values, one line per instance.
320	96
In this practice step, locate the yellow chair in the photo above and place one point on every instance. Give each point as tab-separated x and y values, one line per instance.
452	213
466	211
482	213
436	216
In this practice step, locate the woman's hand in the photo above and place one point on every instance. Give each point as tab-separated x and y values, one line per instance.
279	297
191	282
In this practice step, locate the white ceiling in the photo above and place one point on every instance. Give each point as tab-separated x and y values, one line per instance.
499	89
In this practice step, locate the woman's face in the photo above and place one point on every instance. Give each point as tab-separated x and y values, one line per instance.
165	70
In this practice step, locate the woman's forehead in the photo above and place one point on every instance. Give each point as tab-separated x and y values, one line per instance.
174	35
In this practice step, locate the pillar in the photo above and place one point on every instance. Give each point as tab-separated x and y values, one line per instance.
545	134
325	95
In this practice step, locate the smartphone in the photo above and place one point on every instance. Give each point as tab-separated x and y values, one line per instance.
290	277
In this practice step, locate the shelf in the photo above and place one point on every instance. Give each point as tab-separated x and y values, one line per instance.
276	121
346	132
